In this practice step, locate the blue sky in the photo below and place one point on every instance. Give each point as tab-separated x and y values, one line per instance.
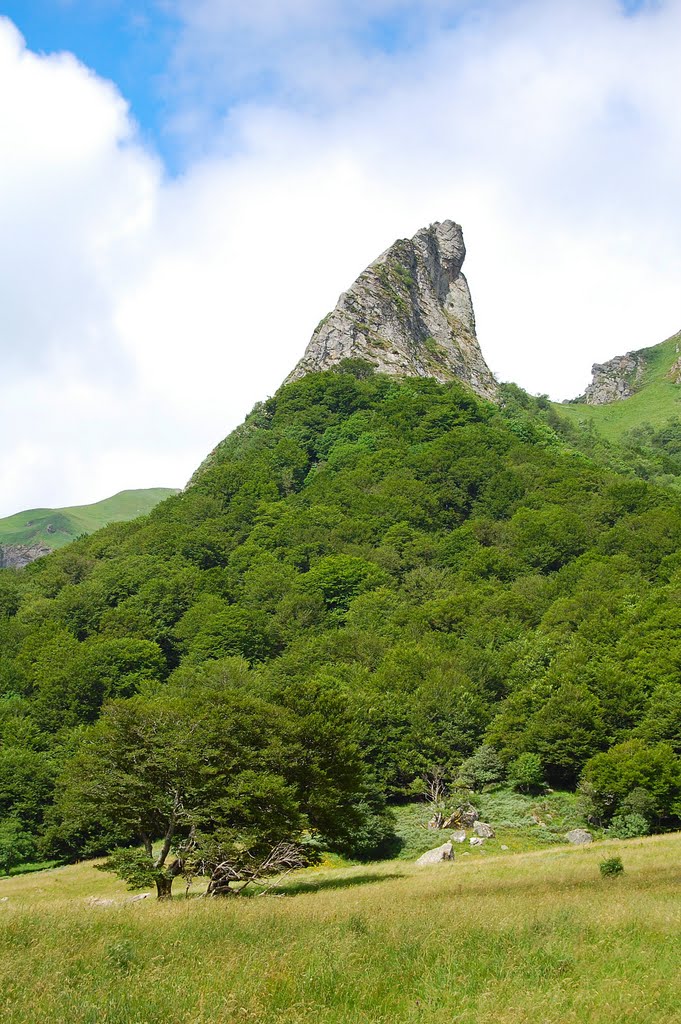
186	194
128	43
141	46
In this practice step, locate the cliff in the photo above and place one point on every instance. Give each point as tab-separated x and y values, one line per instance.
409	314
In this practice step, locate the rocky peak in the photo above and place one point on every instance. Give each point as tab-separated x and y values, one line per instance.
616	379
409	313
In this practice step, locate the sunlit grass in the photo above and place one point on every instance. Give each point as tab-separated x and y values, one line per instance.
538	937
657	401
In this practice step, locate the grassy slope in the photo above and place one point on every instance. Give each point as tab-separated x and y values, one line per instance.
510	940
656	401
69	523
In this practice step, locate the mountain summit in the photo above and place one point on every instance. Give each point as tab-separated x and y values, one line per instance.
409	313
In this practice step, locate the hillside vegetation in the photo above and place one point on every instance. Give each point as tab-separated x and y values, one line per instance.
656	401
499	940
370	580
59	526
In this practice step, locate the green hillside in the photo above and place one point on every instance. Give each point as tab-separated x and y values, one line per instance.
58	526
372	580
656	401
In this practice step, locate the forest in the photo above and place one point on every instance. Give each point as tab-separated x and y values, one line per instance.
370	580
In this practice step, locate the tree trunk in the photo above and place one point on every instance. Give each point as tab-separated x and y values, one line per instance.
164	887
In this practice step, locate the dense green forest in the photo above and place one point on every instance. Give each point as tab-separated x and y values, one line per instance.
370	579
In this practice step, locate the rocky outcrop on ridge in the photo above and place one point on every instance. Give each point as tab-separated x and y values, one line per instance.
409	314
16	556
616	379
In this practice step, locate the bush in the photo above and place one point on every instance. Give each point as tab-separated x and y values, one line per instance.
628	826
482	768
611	867
527	773
620	774
16	845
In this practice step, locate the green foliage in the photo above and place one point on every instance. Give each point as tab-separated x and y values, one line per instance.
628	826
627	767
482	768
397	575
527	773
17	846
611	867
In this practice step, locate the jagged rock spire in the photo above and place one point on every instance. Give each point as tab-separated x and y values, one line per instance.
409	313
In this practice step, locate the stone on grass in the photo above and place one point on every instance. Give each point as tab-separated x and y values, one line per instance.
458	837
482	829
440	853
579	837
504	847
476	841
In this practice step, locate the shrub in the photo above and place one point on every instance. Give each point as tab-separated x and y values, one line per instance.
611	867
628	826
482	768
527	773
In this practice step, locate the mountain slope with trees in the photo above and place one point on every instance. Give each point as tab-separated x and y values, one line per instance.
393	570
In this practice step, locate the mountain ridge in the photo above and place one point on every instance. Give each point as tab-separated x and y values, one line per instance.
33	533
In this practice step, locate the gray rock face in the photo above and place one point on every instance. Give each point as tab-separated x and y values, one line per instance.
579	837
476	841
458	837
409	314
440	853
16	556
616	379
483	830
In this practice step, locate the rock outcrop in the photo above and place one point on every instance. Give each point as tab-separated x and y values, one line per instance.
409	314
16	556
616	379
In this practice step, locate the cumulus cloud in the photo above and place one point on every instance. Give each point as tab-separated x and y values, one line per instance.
143	315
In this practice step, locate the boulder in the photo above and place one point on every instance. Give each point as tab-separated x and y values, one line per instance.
476	841
440	853
458	837
468	816
100	901
482	829
579	837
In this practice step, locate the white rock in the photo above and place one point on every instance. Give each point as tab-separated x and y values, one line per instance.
440	853
579	837
476	841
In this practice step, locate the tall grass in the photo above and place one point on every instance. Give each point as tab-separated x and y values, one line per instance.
536	937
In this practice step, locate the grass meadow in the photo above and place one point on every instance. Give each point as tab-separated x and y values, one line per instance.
534	937
658	399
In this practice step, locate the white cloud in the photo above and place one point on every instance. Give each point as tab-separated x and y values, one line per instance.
141	317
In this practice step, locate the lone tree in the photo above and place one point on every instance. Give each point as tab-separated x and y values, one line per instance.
201	778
